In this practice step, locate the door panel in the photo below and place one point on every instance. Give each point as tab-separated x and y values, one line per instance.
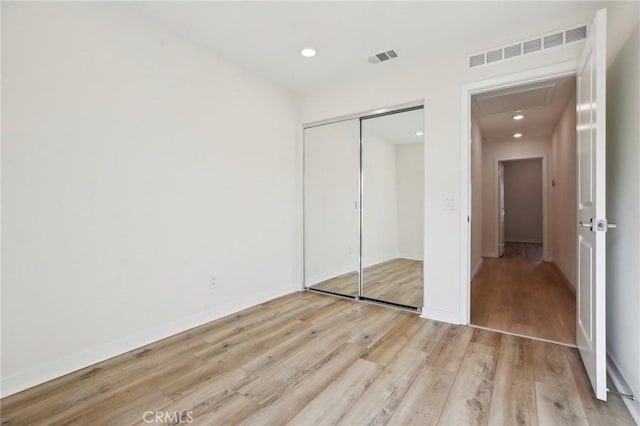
591	226
392	208
585	294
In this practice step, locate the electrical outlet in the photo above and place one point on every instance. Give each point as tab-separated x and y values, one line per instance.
212	283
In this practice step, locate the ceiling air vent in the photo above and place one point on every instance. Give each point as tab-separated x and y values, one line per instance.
384	56
512	51
525	47
476	60
553	40
532	46
575	34
494	56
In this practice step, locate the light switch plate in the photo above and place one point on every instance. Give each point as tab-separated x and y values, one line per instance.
450	203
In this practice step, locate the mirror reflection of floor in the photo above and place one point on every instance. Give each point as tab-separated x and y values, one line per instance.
397	281
521	294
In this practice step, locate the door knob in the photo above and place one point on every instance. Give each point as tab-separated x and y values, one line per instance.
601	225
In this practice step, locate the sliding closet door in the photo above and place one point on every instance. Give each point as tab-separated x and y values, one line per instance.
331	207
392	207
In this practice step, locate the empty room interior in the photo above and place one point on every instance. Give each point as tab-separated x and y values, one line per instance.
319	213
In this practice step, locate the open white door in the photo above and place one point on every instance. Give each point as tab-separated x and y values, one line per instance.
501	211
592	222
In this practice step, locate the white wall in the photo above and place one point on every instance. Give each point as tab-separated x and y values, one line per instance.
379	199
623	208
135	167
563	217
523	201
331	189
476	197
492	152
410	188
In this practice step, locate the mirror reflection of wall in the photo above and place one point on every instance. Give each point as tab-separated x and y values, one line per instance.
393	200
331	213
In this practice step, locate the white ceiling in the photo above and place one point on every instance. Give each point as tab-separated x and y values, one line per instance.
397	128
265	37
542	104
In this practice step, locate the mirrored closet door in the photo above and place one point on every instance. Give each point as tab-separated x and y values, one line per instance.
392	207
363	207
331	207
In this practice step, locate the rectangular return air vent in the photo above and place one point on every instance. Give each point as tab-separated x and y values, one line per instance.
383	56
528	46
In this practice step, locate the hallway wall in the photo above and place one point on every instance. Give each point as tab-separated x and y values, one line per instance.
562	193
476	196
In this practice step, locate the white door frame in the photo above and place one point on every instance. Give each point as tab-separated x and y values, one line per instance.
499	176
545	201
563	69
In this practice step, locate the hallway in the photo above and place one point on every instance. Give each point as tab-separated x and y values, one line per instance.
523	296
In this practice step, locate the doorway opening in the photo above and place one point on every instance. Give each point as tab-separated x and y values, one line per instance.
520	192
523	168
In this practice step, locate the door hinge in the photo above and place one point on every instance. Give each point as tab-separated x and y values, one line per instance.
623	395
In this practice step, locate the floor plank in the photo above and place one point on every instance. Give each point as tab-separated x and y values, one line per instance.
514	395
470	396
307	387
335	401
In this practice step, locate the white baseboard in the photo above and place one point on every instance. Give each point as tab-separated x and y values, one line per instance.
336	272
564	277
623	387
476	269
410	256
56	368
376	261
439	315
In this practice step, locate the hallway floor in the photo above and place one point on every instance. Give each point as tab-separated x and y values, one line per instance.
523	296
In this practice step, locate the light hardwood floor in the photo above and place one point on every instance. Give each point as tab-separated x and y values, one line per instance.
308	359
397	281
524	296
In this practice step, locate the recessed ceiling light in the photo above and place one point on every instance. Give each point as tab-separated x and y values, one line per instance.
308	52
517	135
380	111
518	117
419	133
